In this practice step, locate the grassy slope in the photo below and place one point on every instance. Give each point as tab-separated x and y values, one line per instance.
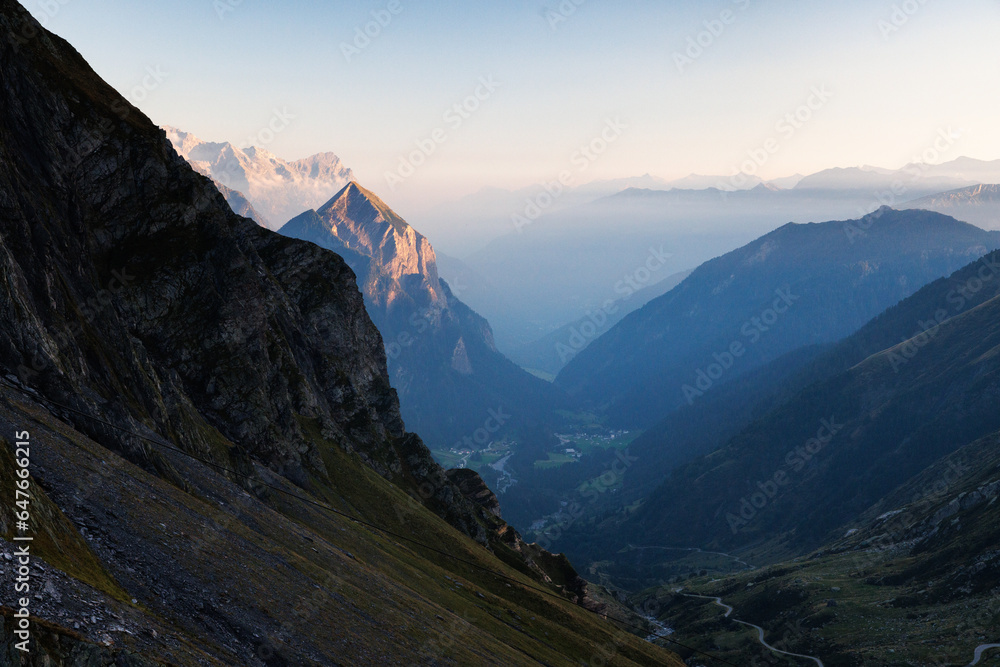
347	590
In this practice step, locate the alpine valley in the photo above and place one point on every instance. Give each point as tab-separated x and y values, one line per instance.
250	416
219	471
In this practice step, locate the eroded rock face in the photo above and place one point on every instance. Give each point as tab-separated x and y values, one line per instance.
472	487
363	223
396	265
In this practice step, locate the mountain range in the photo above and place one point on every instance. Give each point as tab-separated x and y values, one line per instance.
278	189
976	204
866	492
582	253
586	239
799	285
550	354
442	360
219	472
219	433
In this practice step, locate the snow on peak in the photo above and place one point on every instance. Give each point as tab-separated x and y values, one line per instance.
277	188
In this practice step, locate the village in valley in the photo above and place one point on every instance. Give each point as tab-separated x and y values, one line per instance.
491	460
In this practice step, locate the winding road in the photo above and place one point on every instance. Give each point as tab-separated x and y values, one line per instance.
982	648
979	652
760	631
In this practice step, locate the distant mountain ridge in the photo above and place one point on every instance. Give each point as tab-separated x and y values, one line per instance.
913	179
278	189
976	204
799	285
581	252
241	205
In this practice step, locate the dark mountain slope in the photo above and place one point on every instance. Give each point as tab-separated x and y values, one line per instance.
701	428
799	285
697	429
222	577
133	295
945	519
893	414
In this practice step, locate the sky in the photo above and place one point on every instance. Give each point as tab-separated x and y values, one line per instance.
665	88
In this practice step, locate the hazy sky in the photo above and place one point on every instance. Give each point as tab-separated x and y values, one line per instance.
227	66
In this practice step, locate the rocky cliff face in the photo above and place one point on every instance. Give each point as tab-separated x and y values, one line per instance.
400	265
278	188
133	293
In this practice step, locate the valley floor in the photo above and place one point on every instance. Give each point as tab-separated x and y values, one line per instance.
831	611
